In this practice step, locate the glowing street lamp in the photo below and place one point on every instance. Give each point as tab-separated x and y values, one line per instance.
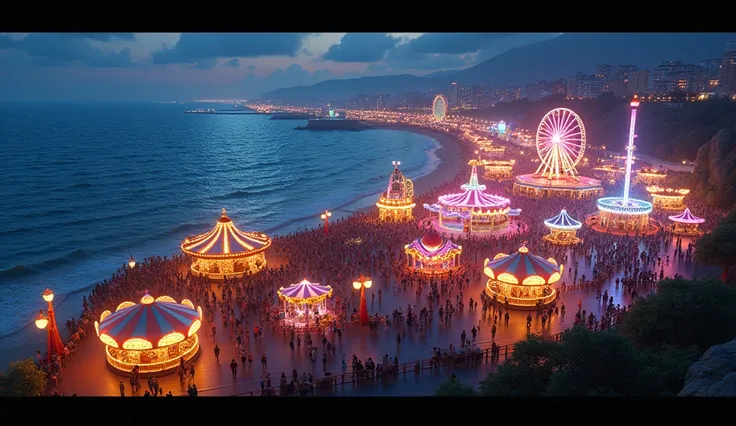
131	262
326	217
54	345
362	284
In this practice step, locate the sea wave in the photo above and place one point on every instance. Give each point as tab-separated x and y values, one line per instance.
21	271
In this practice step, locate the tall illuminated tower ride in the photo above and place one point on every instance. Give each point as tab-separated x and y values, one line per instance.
624	214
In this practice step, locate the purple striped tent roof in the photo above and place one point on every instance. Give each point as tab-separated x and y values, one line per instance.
440	250
304	290
522	265
150	321
474	196
686	217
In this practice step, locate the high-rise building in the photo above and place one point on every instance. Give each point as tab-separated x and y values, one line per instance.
455	96
605	73
638	82
671	76
728	69
588	85
620	80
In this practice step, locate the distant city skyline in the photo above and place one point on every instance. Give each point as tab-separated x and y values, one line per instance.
168	66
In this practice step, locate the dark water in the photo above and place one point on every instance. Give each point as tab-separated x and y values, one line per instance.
87	185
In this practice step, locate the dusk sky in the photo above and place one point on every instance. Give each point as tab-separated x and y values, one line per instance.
172	66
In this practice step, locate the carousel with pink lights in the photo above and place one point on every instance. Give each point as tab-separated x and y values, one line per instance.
686	223
433	254
226	251
522	280
396	204
472	210
560	145
156	334
305	305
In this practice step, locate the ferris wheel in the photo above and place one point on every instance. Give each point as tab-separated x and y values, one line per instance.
440	107
560	143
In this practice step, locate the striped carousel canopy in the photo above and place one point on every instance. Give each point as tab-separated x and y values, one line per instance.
686	217
432	245
474	196
225	241
305	292
563	221
152	323
522	268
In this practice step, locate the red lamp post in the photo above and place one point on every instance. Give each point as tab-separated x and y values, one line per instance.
54	345
362	284
326	217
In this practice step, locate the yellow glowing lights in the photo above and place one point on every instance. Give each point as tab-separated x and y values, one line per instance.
499	255
507	278
109	341
97	328
48	295
126	304
147	299
552	261
137	344
250	243
658	190
187	302
165	299
555	277
489	272
533	280
104	315
193	329
199	311
167	340
523	249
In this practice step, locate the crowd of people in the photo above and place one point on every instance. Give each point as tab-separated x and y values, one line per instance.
241	310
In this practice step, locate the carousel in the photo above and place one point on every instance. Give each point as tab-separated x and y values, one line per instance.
521	279
490	149
305	304
397	202
472	210
686	224
433	254
562	229
155	334
667	198
226	251
650	176
498	169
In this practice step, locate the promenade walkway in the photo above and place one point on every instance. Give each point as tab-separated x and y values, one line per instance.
87	373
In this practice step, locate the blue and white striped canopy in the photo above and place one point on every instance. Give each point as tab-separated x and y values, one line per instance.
563	221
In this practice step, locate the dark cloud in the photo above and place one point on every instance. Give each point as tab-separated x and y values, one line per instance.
191	48
403	58
205	64
105	36
361	47
454	43
232	63
49	49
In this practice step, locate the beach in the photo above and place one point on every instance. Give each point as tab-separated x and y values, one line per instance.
26	341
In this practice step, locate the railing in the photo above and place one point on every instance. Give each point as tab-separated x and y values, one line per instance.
330	384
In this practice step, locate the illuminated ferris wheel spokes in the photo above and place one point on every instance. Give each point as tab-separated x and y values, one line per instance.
560	144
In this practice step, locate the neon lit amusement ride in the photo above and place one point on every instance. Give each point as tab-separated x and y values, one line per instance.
433	254
156	335
226	251
472	210
560	142
440	107
397	202
625	214
522	280
686	223
562	229
668	199
305	304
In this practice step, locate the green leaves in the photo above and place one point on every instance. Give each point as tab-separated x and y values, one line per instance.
23	378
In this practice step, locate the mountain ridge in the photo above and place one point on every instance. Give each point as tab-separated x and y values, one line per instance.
559	57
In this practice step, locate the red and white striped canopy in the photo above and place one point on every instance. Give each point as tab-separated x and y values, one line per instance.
225	241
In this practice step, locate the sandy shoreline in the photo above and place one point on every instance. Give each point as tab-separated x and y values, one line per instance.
24	343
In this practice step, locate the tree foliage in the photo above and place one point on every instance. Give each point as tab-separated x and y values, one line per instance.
717	248
23	378
682	313
452	387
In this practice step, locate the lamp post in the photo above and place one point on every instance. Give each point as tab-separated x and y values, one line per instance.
362	284
131	262
54	345
326	217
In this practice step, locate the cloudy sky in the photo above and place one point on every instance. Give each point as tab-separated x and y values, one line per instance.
173	66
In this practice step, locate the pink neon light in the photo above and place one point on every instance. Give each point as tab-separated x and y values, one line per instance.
686	217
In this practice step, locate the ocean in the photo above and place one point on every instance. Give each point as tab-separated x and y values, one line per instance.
85	186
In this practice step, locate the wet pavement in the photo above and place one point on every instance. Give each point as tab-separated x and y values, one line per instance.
87	373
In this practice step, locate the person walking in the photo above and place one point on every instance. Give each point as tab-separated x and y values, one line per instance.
217	353
234	368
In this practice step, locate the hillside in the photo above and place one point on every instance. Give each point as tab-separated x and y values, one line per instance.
560	57
715	169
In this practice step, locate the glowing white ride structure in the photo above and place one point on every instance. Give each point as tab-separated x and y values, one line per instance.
440	107
560	142
625	214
